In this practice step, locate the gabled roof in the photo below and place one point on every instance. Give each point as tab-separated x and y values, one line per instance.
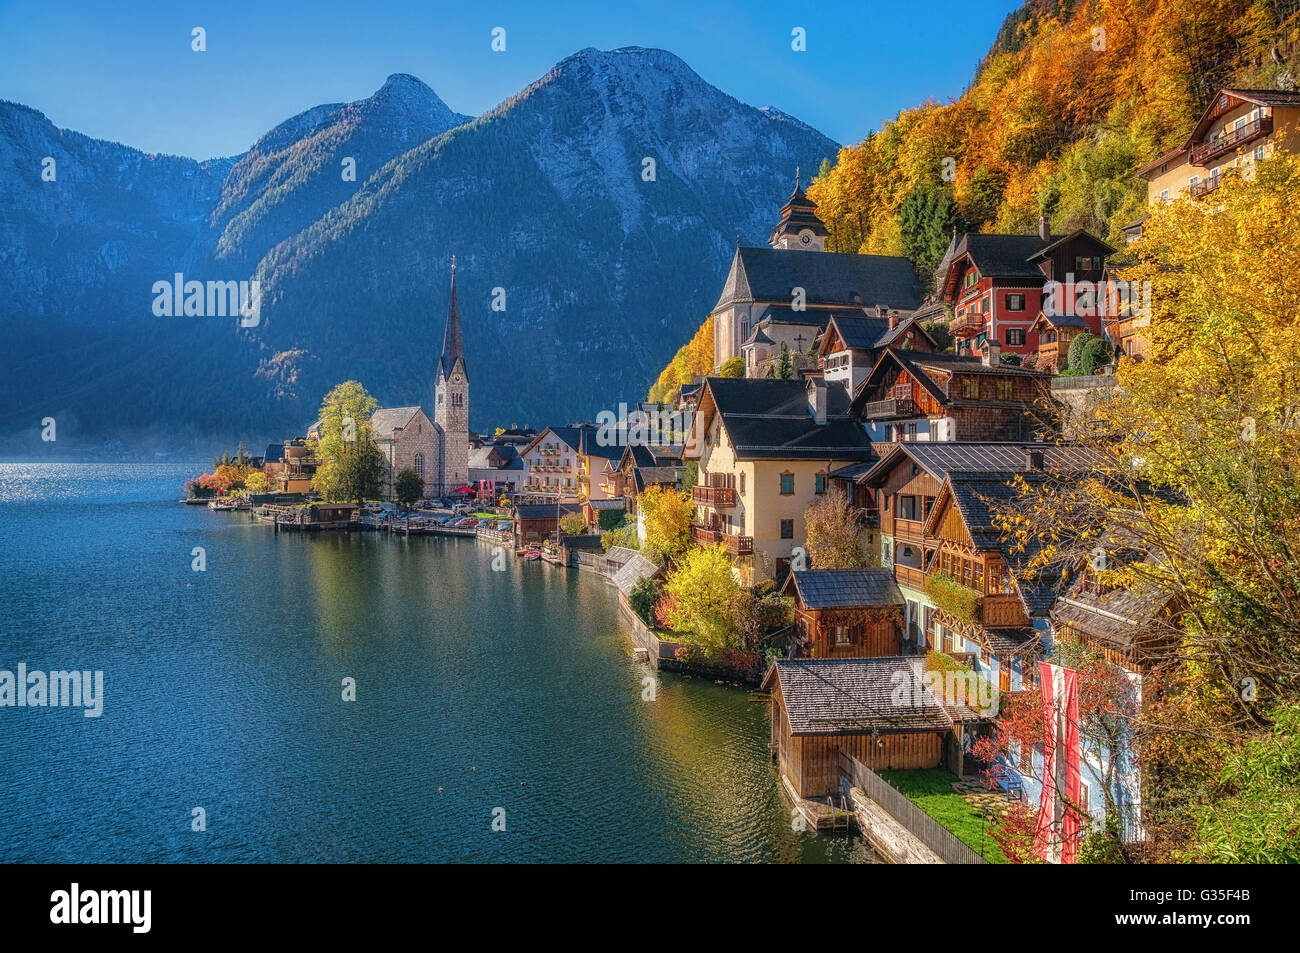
1004	256
571	437
590	443
844	588
1078	235
919	363
545	511
1058	321
389	419
828	278
769	418
652	476
274	453
1259	97
939	458
635	568
860	695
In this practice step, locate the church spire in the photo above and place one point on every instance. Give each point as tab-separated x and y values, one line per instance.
451	350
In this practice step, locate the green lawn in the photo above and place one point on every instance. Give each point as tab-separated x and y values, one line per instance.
931	790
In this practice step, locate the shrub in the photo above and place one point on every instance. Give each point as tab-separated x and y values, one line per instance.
951	596
643	597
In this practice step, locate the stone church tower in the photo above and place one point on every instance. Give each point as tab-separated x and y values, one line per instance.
451	408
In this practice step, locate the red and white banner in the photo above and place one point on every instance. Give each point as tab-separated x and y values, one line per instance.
1056	838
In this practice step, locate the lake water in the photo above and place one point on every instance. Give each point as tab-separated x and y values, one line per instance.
478	691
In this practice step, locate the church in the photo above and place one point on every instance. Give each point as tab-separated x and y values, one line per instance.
435	447
787	292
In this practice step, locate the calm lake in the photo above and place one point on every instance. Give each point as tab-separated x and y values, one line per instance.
476	690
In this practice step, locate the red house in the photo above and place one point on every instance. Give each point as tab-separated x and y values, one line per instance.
998	284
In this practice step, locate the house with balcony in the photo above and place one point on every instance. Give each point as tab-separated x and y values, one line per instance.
552	464
765	449
919	396
961	583
997	285
641	466
598	452
846	613
1237	129
853	342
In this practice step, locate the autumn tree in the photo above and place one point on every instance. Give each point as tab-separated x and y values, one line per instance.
351	465
699	593
1198	450
667	515
834	533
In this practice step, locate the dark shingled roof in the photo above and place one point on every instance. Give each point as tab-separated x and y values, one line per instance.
274	453
545	511
854	696
828	278
769	418
635	568
650	476
845	588
451	349
1004	256
799	213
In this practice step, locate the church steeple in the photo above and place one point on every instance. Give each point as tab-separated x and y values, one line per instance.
451	349
799	226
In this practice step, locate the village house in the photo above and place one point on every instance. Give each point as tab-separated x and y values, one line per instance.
534	523
962	584
1237	129
642	466
847	613
914	395
852	344
786	293
765	449
496	470
598	451
552	463
877	710
995	285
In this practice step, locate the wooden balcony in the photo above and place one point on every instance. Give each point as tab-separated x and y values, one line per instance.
908	576
719	497
1205	186
1231	140
895	407
708	536
912	530
1002	611
969	324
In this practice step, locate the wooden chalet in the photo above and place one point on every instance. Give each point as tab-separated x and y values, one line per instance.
877	710
534	523
1052	334
847	613
913	395
854	341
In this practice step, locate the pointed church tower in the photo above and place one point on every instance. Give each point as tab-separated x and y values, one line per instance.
451	408
799	228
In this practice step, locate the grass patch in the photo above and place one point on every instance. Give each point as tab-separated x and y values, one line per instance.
931	790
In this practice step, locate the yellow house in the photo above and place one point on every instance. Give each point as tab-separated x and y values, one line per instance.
1240	127
765	449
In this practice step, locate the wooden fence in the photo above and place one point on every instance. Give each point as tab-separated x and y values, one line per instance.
922	826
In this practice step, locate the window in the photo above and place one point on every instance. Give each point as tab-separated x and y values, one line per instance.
970	388
1164	195
1015	302
1015	337
1026	757
1004	388
984	306
787	529
819	484
971	278
842	636
787	484
1086	262
419	464
1084	795
742	484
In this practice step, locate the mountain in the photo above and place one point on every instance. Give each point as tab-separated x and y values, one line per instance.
600	265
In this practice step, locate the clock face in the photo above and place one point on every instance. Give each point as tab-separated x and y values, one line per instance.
455	378
806	238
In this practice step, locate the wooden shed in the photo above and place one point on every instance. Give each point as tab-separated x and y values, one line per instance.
878	710
847	613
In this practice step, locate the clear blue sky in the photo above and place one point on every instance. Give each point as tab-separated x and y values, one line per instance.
125	71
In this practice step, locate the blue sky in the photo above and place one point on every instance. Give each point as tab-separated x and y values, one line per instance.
125	71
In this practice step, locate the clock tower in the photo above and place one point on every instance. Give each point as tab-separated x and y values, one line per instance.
800	228
451	402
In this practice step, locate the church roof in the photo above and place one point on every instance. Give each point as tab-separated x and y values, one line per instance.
389	419
829	279
451	348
